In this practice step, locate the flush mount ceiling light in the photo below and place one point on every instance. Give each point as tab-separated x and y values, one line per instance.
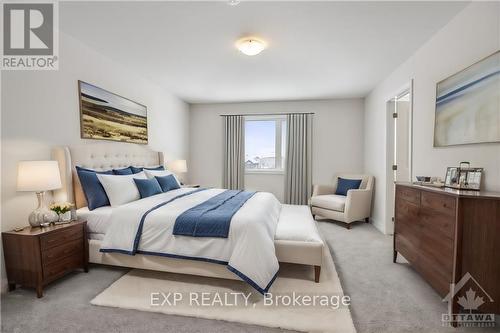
251	46
233	2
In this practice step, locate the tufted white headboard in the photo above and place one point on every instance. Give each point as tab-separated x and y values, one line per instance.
101	156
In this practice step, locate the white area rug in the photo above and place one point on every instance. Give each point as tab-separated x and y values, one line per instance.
136	289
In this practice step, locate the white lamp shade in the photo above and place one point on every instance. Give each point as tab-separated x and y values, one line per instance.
38	176
178	166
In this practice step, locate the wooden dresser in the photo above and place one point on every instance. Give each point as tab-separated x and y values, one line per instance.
35	257
447	233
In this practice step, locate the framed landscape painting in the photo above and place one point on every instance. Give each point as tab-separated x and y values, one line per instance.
107	116
468	105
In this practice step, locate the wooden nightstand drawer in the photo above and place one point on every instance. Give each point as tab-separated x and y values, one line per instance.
61	236
58	252
61	267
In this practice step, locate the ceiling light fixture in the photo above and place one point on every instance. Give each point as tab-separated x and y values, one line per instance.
233	2
251	46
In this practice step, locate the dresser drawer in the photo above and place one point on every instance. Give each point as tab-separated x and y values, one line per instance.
408	194
61	236
438	252
438	223
433	275
57	269
59	252
440	203
406	211
407	247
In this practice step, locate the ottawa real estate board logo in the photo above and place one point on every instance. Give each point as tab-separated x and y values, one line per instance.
468	295
30	36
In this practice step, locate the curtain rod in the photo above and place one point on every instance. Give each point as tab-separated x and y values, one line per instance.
265	114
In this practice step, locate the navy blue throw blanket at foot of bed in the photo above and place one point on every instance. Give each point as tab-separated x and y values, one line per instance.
211	218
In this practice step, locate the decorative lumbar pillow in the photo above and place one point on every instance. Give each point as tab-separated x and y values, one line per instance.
344	185
139	169
122	172
92	189
168	183
121	189
160	173
147	187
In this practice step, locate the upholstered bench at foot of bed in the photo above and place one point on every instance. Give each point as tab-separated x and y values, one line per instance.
297	239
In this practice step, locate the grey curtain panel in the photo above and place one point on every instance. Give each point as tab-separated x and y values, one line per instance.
298	171
234	152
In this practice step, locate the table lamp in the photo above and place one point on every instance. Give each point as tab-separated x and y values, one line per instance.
178	167
39	176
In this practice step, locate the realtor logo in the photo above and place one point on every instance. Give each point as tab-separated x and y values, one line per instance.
470	301
29	35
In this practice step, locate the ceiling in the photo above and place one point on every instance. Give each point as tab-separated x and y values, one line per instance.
317	50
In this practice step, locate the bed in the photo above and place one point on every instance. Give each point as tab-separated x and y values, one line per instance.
296	238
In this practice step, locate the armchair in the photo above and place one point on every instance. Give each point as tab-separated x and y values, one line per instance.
355	206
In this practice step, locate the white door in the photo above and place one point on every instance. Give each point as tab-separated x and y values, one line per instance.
399	152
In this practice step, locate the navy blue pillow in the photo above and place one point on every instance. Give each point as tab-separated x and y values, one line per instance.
139	169
147	187
92	187
168	183
123	172
345	185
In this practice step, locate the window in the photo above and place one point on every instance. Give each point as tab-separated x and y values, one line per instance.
265	144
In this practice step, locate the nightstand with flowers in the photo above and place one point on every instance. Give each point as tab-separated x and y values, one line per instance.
36	256
48	249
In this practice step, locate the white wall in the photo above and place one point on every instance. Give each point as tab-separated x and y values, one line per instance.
337	140
473	34
40	110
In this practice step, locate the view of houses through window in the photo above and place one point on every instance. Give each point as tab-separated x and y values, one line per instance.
265	143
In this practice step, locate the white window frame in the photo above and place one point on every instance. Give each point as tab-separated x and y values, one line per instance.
277	145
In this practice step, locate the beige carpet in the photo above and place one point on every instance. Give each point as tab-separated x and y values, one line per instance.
201	297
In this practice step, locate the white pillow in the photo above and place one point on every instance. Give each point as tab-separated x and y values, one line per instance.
121	189
160	173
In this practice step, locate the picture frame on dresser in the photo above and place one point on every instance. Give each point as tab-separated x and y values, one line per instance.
460	178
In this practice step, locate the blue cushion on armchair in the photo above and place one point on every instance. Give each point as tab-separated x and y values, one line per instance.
344	185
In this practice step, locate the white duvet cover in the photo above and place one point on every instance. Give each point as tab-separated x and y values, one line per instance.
248	251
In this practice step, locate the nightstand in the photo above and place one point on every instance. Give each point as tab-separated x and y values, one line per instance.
34	257
190	185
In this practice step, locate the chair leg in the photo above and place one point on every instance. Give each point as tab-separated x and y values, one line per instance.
348	226
367	220
317	272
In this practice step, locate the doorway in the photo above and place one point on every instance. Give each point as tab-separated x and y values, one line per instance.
399	146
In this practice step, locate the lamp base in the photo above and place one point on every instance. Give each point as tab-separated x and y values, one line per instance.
42	215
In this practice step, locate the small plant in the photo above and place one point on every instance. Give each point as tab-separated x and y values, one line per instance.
61	207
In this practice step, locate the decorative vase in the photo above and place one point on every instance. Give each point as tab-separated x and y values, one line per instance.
41	216
64	217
